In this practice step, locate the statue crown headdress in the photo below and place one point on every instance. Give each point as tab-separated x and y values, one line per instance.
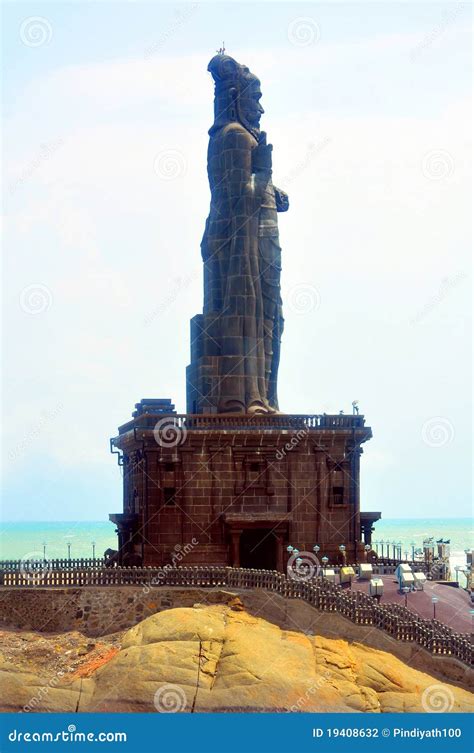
231	81
228	73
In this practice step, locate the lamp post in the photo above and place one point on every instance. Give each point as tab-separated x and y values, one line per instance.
290	550
69	550
376	545
434	601
93	549
316	549
342	549
44	550
468	577
325	561
413	550
406	591
399	550
394	544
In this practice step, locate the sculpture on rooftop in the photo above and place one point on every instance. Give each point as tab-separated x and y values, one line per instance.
235	342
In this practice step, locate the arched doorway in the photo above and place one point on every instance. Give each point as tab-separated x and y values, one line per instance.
258	549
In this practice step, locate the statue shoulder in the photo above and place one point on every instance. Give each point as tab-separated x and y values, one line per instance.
235	135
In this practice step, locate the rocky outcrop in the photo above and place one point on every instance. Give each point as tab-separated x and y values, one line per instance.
220	658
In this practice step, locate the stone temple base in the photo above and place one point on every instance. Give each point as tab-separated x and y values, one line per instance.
226	489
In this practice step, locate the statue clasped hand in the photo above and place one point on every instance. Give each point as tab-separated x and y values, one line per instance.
262	155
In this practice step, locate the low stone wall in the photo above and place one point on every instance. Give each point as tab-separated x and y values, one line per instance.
94	611
101	611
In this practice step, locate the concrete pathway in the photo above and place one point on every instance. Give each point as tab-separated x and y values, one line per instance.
453	607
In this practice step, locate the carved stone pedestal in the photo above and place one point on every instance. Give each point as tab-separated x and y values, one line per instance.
228	489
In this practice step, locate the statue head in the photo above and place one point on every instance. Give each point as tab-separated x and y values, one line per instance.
237	94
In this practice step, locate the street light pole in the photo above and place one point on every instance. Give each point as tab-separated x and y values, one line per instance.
325	561
69	550
434	601
44	550
406	591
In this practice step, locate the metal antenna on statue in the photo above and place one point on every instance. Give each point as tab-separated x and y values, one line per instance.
221	50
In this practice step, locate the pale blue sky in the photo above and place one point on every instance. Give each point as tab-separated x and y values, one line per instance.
370	123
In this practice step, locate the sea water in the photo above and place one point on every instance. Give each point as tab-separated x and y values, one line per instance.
29	539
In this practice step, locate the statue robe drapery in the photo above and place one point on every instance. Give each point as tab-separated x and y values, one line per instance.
242	263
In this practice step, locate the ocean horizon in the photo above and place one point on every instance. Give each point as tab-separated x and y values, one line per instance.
28	539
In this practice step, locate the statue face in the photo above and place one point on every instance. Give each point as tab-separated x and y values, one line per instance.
250	106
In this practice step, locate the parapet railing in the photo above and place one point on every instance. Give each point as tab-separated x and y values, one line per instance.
380	567
209	421
395	620
41	565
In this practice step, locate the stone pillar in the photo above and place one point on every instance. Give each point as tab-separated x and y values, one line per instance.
367	531
235	551
279	553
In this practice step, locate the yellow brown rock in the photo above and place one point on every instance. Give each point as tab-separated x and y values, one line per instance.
217	659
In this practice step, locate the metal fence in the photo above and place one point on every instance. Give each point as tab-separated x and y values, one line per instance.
395	620
380	567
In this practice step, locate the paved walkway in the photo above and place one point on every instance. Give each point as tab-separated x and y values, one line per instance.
453	607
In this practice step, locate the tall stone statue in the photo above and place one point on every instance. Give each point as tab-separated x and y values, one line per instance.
235	343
